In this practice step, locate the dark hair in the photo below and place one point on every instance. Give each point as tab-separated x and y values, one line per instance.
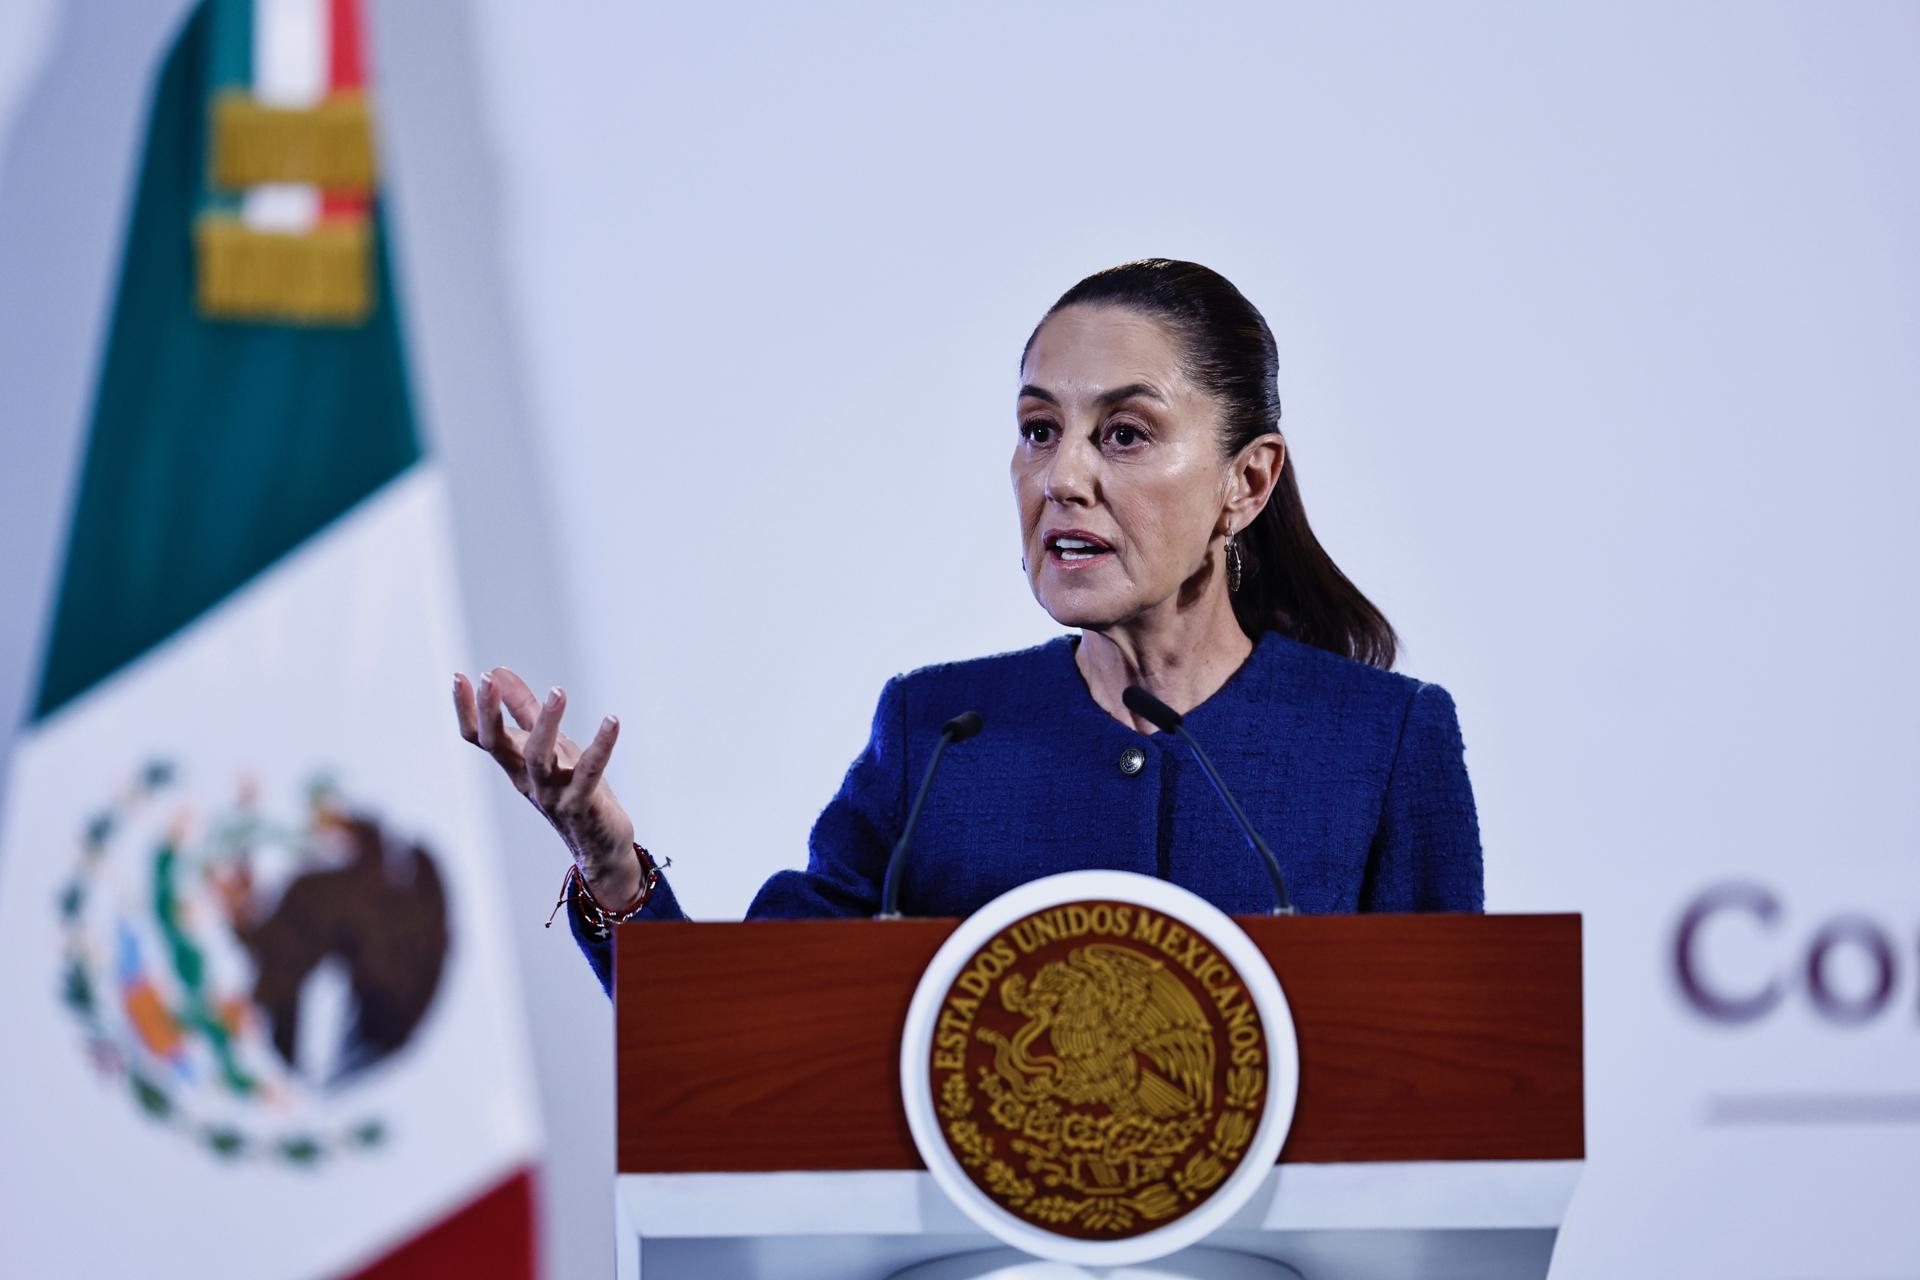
1289	583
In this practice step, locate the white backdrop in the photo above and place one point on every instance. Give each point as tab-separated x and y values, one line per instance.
1598	328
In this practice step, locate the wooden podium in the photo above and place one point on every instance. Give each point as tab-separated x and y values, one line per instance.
1439	1131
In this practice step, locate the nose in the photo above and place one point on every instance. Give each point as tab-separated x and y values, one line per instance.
1070	474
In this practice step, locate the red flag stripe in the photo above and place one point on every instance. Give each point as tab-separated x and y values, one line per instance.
493	1236
346	64
346	69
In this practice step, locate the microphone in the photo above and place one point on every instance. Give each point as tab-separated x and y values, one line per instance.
1164	717
958	729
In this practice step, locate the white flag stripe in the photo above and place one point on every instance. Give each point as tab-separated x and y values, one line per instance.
287	207
292	49
337	659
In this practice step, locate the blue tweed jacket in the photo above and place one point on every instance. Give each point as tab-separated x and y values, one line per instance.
1355	776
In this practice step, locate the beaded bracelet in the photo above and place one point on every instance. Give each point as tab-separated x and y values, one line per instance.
597	918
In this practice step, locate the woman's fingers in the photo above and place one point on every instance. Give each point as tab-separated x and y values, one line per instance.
495	738
464	711
516	696
487	728
591	764
540	759
543	765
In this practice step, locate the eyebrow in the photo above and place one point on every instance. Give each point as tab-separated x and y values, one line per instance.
1104	399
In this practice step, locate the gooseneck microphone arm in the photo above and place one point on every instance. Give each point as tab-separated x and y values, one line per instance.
1164	717
958	729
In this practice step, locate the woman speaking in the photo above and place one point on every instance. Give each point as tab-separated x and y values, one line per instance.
1160	519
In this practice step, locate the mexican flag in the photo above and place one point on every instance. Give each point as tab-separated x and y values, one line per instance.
261	1017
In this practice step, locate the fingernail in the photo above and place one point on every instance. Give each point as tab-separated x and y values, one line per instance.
486	679
553	694
611	722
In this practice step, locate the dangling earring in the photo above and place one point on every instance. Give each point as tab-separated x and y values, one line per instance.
1233	560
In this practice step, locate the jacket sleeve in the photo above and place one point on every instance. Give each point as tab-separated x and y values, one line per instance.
1426	852
847	851
848	848
598	946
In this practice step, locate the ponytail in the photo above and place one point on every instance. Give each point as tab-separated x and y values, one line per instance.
1291	585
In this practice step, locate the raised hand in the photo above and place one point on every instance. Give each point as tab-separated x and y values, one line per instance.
564	782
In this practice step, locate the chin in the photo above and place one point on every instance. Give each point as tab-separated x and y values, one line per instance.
1083	610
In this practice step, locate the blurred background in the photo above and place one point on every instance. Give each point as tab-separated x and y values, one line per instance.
1600	343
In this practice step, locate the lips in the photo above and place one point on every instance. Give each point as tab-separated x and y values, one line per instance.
1072	548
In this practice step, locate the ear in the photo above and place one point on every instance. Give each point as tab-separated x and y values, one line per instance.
1255	473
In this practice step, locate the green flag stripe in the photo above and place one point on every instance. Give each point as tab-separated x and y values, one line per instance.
214	447
232	40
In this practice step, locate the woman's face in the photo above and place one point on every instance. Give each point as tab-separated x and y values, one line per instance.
1117	470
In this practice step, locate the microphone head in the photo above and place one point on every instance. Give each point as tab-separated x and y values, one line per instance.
962	726
1150	708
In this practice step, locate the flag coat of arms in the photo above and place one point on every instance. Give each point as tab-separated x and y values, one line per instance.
260	1010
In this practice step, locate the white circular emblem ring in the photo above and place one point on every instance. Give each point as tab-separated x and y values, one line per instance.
1138	1106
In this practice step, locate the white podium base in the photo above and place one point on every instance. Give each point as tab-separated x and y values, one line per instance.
1188	1264
1467	1220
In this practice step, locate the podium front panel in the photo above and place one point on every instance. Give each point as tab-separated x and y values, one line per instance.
774	1045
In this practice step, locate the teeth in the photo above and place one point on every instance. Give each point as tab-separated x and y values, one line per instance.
1077	548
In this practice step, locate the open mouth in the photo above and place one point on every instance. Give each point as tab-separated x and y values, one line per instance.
1074	547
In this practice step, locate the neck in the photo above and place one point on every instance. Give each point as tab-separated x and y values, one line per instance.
1181	659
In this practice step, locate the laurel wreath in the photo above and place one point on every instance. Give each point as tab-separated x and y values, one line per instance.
1204	1171
84	987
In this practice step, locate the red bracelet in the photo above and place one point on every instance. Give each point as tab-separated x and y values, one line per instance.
596	916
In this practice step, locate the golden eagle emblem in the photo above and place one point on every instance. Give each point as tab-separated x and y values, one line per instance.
1098	1069
1123	1033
